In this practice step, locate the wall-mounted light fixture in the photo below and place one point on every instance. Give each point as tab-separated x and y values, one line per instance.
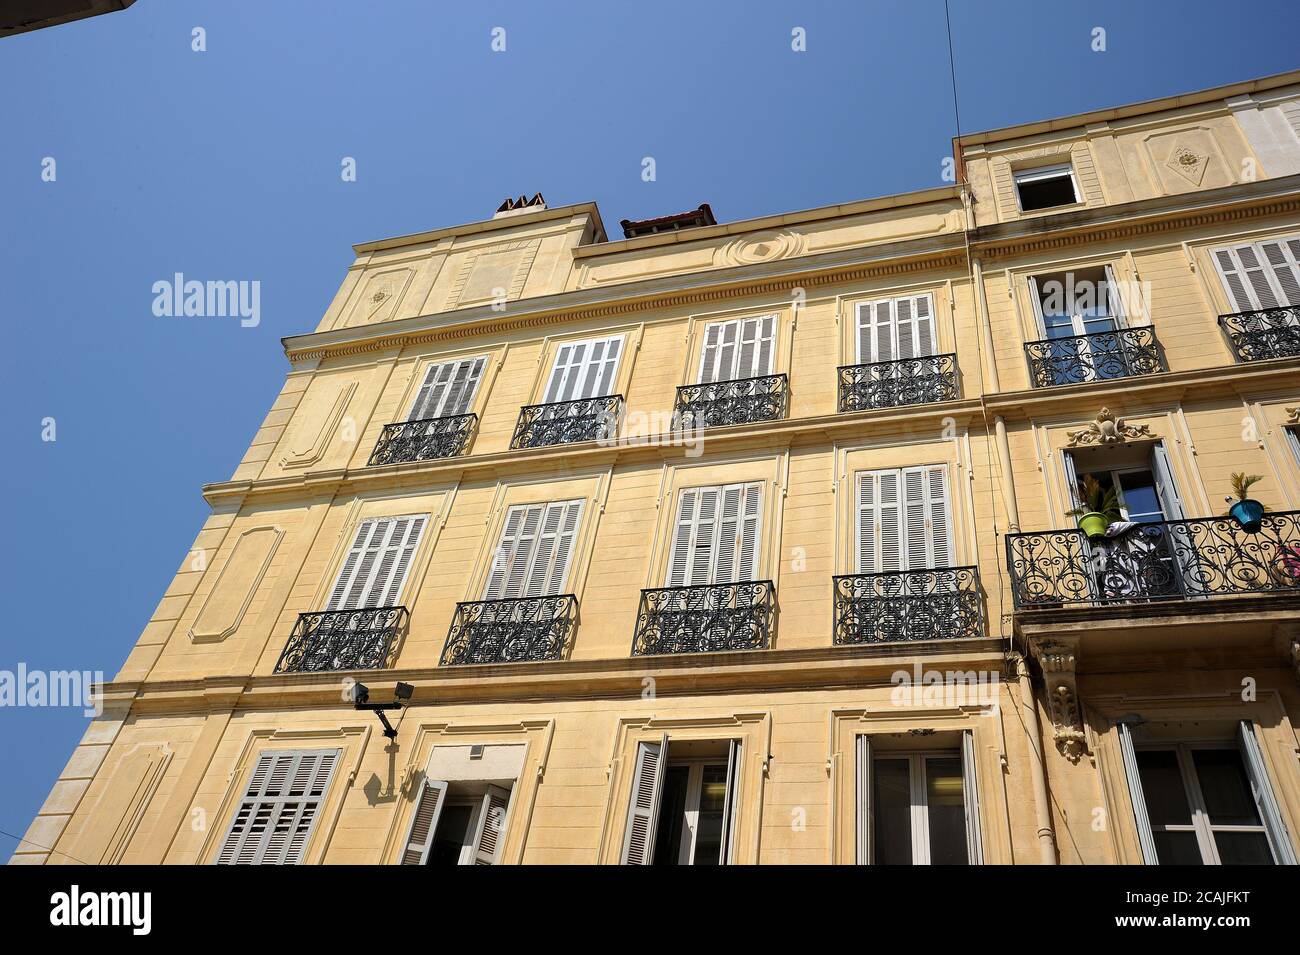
361	701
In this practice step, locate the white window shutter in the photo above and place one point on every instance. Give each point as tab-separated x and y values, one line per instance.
739	348
522	551
1129	757
970	793
424	822
536	549
704	543
564	359
564	547
503	556
724	569
643	806
750	519
939	506
491	826
278	811
547	539
876	332
868	508
1283	259
892	329
1167	491
891	526
731	803
1233	281
586	369
448	389
917	547
709	353
864	817
377	563
1262	789
716	536
679	557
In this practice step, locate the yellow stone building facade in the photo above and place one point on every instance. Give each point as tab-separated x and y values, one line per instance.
751	542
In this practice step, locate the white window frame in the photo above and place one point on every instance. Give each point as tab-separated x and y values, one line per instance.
1038	174
935	544
379	580
919	816
745	521
1287	244
442	407
1114	302
710	368
472	848
558	559
917	346
569	380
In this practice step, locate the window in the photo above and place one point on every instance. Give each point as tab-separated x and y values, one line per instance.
457	823
532	559
895	328
377	562
1077	302
741	348
586	369
448	389
279	808
904	520
715	539
683	806
1204	803
1045	187
1261	275
917	808
1142	475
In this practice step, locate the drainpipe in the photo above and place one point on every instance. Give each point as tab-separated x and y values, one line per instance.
1042	808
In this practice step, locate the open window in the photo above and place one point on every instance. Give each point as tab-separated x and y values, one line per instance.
458	823
917	805
1204	799
683	805
1046	187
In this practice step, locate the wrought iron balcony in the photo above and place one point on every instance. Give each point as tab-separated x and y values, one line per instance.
563	422
705	619
940	604
907	381
510	631
1206	557
343	640
423	440
740	401
1267	333
1123	353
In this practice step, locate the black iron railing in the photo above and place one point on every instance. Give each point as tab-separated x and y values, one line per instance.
739	401
343	640
423	440
511	631
940	604
563	422
1206	557
1123	353
705	619
1263	334
907	381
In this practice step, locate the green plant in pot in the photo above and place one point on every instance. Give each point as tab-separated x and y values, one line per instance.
1100	508
1245	510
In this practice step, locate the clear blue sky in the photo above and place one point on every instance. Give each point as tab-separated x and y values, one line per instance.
226	165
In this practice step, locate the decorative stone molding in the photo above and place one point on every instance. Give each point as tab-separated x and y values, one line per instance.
1057	660
1106	429
311	438
1292	415
1188	163
484	271
763	247
226	604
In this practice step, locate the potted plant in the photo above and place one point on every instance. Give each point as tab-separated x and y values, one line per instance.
1246	511
1100	508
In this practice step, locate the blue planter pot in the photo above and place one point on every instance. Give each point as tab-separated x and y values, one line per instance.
1249	514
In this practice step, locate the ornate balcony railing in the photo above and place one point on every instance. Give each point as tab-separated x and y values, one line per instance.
1123	353
740	401
1267	333
510	631
423	440
343	640
940	604
1206	557
907	381
563	422
705	619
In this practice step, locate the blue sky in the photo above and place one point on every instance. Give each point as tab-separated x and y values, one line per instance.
225	164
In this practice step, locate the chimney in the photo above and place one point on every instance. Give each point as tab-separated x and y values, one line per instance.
513	207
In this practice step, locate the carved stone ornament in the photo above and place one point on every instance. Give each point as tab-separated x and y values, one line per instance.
1292	415
1057	662
1105	429
1188	163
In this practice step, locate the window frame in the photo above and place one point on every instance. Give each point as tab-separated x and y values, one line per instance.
1041	173
919	816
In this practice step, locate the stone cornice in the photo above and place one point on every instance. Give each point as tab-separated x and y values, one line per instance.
737	672
791	432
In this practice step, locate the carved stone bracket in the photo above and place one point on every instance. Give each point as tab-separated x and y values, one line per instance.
1107	428
1056	659
1292	415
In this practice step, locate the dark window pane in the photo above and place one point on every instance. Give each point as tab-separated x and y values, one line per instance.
893	811
946	811
1243	848
1162	788
672	816
1045	193
708	831
1225	787
453	829
1178	848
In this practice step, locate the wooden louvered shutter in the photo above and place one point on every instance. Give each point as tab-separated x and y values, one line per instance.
1261	788
731	803
377	563
971	799
724	567
1283	259
1246	278
864	818
875	332
584	369
679	556
704	538
515	553
448	389
553	549
503	556
491	825
424	822
720	355
926	523
890	511
275	817
751	504
754	358
643	806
